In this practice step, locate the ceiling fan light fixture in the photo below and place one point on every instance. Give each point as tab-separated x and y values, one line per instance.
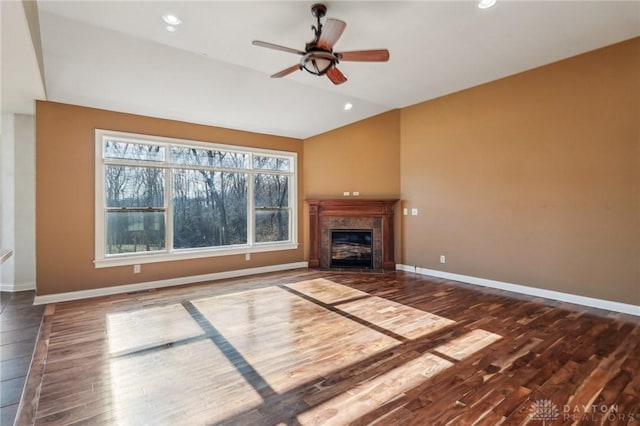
318	62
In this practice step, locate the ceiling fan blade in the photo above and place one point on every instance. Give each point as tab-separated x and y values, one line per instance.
276	47
377	55
331	32
287	71
336	76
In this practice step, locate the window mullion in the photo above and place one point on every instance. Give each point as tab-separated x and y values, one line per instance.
293	198
168	201
250	207
168	204
100	200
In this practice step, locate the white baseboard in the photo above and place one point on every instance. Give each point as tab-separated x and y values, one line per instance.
15	287
531	291
148	285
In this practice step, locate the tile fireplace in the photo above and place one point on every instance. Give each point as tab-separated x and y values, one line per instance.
370	223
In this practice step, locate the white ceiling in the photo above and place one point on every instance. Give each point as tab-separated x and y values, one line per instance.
21	81
117	55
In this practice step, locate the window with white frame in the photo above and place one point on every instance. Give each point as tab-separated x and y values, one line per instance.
160	199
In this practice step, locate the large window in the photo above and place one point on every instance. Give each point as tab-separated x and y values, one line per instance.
163	199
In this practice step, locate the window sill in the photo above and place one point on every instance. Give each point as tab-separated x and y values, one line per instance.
143	258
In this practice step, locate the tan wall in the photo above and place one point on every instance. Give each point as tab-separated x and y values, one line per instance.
363	157
65	198
533	179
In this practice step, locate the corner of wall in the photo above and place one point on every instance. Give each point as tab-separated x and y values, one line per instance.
17	193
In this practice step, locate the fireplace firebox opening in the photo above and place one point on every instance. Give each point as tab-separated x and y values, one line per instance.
352	248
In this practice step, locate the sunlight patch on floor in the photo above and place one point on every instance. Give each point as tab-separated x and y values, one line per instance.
467	344
180	378
141	329
288	340
327	291
367	396
402	320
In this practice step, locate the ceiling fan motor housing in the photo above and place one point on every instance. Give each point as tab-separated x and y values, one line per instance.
319	10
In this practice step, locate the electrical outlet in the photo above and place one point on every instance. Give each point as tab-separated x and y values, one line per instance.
247	256
443	259
346	193
414	212
136	269
356	194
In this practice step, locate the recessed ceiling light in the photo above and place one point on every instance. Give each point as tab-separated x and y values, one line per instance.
486	4
348	106
171	19
171	29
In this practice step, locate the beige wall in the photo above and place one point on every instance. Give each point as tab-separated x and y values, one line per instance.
533	179
65	198
362	157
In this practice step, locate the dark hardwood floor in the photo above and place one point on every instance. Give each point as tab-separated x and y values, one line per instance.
19	325
320	348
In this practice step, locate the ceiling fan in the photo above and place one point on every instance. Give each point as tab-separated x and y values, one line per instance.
318	57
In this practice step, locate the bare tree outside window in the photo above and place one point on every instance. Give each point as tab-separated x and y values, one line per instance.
209	208
135	209
271	201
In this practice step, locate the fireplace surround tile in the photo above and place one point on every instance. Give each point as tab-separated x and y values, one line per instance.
327	223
